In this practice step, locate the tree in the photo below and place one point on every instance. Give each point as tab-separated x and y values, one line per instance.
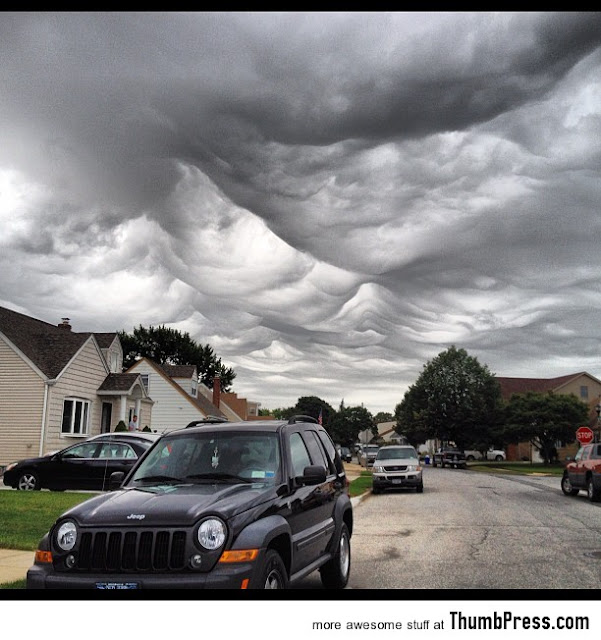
170	346
383	416
311	406
543	419
454	399
347	423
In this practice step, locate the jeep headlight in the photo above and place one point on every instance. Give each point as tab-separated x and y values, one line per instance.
66	536
378	468
211	534
413	467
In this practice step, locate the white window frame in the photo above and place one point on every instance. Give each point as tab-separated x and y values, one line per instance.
84	418
145	381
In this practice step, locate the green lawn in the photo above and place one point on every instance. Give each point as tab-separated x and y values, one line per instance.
25	516
518	468
361	484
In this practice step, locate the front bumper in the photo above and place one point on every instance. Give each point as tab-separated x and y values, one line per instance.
406	479
226	576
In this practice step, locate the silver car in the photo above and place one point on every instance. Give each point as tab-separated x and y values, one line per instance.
397	466
368	455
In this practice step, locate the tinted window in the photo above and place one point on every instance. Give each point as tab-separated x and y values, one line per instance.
299	454
316	449
117	450
85	450
331	451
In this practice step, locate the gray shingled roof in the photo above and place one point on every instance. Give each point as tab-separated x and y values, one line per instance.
118	382
179	370
49	347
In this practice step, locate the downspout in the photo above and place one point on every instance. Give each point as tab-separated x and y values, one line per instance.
47	385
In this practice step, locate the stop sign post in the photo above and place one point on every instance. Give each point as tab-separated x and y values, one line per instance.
584	435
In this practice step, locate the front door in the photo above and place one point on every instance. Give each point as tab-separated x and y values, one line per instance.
105	421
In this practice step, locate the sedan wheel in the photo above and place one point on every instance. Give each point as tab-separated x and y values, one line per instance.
591	492
28	481
566	486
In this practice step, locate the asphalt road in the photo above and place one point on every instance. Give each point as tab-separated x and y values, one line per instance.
471	530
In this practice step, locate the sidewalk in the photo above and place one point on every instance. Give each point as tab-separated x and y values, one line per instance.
14	564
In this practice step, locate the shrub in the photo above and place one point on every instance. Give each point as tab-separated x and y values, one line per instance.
121	426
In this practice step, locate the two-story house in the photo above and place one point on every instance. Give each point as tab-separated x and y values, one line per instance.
58	385
175	392
583	385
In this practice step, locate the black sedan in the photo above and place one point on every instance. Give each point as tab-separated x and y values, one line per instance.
87	465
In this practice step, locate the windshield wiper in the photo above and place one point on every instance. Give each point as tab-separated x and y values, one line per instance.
157	479
217	476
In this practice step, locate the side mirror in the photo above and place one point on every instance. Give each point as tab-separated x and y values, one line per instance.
313	474
116	480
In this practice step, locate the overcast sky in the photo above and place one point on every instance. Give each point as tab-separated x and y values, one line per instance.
329	200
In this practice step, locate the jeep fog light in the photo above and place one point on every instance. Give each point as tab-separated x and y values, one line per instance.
195	561
211	534
66	536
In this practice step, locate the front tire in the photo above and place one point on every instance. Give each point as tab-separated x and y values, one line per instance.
499	459
28	481
335	573
274	574
591	491
566	486
419	488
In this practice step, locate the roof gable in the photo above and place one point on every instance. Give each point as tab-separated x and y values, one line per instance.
509	386
47	346
202	403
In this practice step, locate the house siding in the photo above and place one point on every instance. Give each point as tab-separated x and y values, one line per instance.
170	410
20	386
81	380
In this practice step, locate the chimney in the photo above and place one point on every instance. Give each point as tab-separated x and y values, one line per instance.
216	389
65	324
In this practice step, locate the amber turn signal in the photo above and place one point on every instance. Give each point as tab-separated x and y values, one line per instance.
239	555
43	557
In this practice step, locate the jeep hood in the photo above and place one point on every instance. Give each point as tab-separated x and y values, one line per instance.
170	505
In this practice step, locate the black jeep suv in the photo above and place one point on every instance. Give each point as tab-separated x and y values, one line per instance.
237	505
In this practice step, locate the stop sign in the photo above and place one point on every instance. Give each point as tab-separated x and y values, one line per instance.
584	435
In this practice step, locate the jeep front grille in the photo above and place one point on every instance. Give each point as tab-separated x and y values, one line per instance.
395	468
118	551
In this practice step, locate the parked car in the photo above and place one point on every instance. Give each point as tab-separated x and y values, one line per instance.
368	455
451	456
584	472
492	454
344	453
237	505
397	466
85	465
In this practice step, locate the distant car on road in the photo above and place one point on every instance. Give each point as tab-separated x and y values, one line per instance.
368	455
584	472
84	466
450	456
345	453
397	466
497	455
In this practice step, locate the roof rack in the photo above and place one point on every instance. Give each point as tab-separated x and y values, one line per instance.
295	419
207	420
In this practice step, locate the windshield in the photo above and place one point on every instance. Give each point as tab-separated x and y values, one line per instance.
211	457
400	453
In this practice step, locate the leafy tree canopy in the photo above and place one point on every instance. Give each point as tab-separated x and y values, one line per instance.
454	399
347	423
170	346
383	416
543	419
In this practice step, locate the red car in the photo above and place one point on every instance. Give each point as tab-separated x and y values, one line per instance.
584	472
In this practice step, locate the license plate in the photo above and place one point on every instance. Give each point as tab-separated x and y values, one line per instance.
397	481
117	585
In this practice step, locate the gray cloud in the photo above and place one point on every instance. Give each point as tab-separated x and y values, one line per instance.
328	199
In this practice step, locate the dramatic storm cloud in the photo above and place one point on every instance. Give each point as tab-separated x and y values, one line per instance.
329	200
